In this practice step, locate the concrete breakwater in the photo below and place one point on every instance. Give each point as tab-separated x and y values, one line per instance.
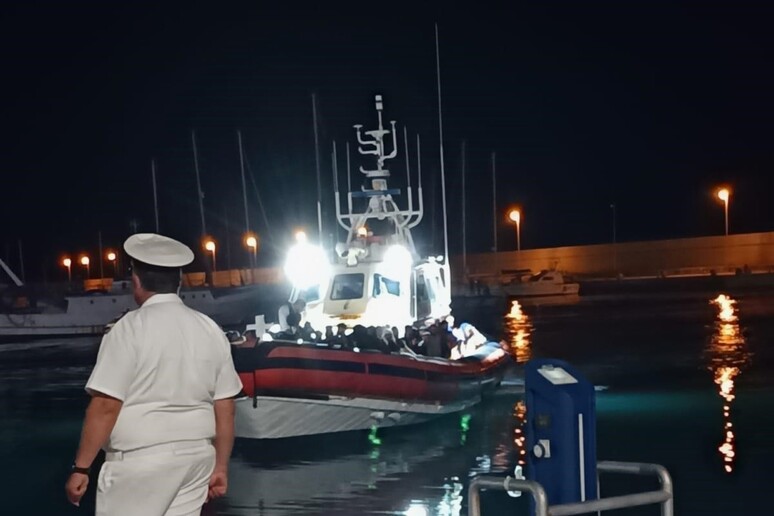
702	256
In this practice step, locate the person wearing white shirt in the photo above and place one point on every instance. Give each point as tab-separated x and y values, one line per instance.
282	314
162	402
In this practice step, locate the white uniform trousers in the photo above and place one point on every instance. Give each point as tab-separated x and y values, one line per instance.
164	480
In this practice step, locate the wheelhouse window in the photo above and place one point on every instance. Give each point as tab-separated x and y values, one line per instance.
385	285
347	286
311	294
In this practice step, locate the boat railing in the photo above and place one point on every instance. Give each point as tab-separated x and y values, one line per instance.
663	496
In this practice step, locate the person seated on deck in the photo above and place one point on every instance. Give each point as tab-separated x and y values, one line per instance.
435	341
286	309
456	344
473	339
366	340
293	332
385	335
328	334
308	333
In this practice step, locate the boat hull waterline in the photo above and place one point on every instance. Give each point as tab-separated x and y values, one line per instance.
293	390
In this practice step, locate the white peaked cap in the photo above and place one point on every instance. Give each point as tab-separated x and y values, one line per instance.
158	250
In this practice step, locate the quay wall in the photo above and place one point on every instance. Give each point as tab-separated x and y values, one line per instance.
653	258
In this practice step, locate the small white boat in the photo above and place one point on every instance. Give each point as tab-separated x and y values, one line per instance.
90	313
543	284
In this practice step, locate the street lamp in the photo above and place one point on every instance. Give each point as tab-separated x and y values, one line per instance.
85	262
67	262
111	256
209	245
251	241
724	194
515	216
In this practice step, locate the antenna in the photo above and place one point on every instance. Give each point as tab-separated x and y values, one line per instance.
198	182
317	165
440	135
155	195
464	235
244	185
494	203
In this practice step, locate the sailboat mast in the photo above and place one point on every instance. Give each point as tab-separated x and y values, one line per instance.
464	235
244	184
317	166
155	195
494	204
198	183
440	134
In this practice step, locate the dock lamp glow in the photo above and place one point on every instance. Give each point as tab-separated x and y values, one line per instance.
515	217
251	241
724	194
85	262
67	262
111	256
209	245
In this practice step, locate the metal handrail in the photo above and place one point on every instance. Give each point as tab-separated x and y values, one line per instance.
663	496
508	484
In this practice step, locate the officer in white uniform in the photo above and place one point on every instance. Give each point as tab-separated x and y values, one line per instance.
162	403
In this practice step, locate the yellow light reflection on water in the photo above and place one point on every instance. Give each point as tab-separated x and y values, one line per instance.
727	355
519	438
518	330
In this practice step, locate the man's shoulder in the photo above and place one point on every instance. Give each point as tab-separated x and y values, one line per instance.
203	318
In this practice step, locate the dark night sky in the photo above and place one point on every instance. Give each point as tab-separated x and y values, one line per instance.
645	104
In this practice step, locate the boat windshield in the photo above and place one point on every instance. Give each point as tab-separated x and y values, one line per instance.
386	285
541	275
347	286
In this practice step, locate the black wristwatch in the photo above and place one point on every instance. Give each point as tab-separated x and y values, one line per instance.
76	469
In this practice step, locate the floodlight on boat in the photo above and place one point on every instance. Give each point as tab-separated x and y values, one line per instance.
416	509
398	260
306	265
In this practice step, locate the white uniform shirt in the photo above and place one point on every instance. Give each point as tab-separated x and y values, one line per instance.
168	364
282	316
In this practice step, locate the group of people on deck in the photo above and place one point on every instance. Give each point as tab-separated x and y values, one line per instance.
440	339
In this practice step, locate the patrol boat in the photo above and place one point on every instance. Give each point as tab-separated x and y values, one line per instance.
376	278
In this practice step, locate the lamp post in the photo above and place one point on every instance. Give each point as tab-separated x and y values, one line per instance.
251	241
724	194
67	262
515	216
85	262
111	256
209	245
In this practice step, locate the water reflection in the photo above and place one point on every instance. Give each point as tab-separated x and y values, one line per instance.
518	329
413	471
727	356
519	439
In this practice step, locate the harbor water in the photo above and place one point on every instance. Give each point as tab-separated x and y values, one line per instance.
684	381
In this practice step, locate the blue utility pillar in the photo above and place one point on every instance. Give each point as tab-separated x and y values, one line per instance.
561	431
